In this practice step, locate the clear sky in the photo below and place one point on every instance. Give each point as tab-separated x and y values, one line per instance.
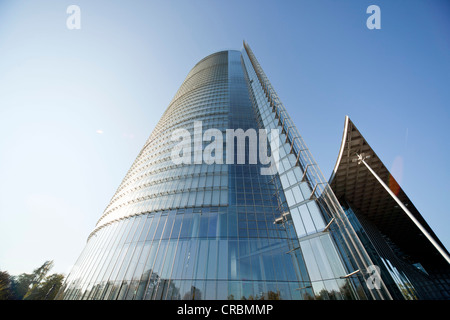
76	106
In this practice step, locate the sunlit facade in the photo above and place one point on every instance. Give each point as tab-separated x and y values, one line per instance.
223	230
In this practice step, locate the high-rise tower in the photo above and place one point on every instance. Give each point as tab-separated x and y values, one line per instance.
224	201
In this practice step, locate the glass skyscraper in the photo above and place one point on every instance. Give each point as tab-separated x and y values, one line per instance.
212	224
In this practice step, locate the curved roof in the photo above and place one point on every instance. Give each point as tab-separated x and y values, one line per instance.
354	183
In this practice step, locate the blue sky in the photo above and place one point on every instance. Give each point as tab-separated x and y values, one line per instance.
117	74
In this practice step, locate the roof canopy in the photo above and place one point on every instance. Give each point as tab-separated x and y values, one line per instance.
354	183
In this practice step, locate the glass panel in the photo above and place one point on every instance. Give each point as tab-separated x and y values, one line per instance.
291	177
215	197
223	197
146	228
222	225
298	224
247	290
202	259
232	223
195	225
306	218
316	215
179	260
284	290
168	262
168	227
141	222
212	227
151	232
132	230
272	291
268	265
142	260
150	261
160	228
224	180
222	290
184	200
198	290
222	269
210	290
212	259
134	260
332	255
190	260
186	226
321	258
306	190
157	294
199	199
320	292
232	258
203	230
279	266
191	200
128	223
173	291
176	226
202	182
298	194
159	259
313	269
132	290
290	197
291	273
207	198
298	173
333	290
284	180
118	265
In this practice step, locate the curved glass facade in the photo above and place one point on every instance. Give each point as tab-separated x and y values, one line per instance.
197	230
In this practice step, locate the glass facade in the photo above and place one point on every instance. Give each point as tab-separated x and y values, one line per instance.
404	280
217	230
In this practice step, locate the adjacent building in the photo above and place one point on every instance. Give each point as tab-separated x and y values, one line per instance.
413	262
225	201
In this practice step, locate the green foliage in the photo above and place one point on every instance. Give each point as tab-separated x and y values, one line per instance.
5	282
20	285
34	286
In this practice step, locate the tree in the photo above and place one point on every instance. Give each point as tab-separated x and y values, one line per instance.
47	289
5	284
34	286
20	285
38	276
